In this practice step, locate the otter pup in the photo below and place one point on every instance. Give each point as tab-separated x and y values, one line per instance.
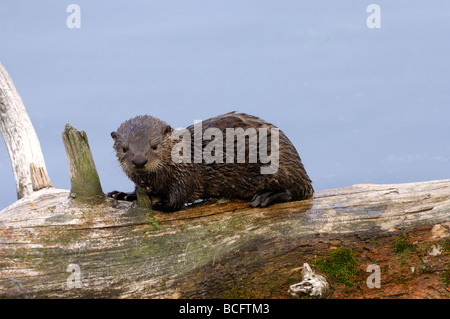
178	170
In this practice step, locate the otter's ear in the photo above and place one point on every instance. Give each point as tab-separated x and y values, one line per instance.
167	130
114	135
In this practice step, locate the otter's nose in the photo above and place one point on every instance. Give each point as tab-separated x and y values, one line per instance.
139	161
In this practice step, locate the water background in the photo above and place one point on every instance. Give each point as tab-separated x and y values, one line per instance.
361	105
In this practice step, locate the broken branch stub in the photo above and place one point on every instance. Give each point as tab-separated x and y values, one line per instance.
143	200
85	183
21	140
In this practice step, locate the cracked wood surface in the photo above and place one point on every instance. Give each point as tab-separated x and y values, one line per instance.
203	251
23	146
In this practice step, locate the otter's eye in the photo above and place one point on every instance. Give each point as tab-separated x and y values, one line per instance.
124	149
154	147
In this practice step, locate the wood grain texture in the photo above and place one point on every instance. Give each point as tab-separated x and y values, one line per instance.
23	146
204	251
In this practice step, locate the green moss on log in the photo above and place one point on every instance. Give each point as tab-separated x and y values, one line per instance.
340	265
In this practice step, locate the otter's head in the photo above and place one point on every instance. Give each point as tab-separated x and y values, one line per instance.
143	145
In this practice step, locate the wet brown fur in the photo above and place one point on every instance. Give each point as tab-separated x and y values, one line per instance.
173	184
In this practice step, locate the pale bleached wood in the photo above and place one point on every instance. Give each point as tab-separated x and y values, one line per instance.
23	146
199	252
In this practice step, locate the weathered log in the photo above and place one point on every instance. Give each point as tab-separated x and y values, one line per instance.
23	146
222	249
84	180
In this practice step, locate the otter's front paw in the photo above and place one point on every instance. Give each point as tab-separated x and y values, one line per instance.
159	204
163	205
130	196
265	199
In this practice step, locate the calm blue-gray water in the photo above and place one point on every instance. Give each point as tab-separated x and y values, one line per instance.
361	105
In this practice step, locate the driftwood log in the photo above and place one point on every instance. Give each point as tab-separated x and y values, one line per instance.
50	245
21	140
